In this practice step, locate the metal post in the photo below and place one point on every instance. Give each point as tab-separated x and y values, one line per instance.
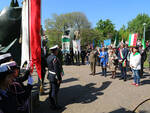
144	24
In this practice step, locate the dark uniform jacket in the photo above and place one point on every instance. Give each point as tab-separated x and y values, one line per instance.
22	92
54	68
8	103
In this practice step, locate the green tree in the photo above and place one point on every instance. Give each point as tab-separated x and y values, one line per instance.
54	37
88	35
136	25
107	28
61	22
123	33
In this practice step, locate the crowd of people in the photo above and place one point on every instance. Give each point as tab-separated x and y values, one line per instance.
124	58
113	58
16	95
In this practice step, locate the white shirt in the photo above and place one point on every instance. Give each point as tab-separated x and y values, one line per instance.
135	61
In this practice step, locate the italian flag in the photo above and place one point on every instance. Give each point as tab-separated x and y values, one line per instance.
31	39
133	39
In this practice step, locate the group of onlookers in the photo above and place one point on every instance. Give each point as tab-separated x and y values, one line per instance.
124	57
14	95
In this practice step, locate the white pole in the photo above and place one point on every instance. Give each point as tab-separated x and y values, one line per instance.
144	24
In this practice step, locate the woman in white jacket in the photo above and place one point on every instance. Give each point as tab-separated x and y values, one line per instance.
135	64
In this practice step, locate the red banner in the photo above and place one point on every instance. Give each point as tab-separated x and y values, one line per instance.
35	38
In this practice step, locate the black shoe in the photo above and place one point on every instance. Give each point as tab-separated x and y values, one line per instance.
125	79
91	74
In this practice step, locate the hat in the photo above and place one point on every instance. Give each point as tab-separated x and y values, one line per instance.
3	68
12	64
54	47
5	58
4	71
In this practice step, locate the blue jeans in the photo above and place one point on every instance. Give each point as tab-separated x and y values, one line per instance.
136	74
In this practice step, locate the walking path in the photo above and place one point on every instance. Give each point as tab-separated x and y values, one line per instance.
84	93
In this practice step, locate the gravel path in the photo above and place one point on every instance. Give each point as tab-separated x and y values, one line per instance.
84	93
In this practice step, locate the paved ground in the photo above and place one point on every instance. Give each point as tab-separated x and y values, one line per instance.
84	93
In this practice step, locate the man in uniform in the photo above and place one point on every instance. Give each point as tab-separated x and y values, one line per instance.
93	61
83	54
54	76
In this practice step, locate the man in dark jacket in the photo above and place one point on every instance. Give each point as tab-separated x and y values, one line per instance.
83	54
122	57
8	102
17	87
143	59
54	76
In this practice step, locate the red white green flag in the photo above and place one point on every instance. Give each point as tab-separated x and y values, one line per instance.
133	39
31	42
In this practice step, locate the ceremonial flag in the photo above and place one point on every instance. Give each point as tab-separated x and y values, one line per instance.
76	46
35	38
66	44
116	42
143	43
99	43
133	39
93	43
107	42
25	52
31	39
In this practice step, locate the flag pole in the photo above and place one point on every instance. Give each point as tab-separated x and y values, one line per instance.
29	19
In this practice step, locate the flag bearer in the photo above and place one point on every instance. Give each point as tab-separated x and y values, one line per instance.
8	103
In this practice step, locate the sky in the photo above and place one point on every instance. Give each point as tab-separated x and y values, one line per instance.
120	12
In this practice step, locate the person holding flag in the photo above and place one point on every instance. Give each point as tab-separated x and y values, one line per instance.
17	87
8	102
